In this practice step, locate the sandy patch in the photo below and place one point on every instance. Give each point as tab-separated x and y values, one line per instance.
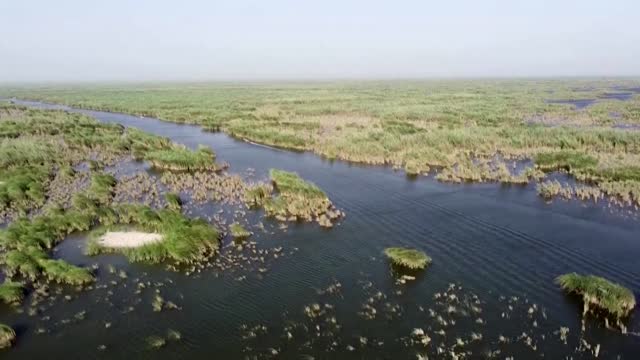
128	239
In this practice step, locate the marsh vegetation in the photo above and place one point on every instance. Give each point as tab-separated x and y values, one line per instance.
415	126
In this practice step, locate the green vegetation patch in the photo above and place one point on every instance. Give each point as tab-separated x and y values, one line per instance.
11	292
290	183
23	187
568	160
181	158
27	241
409	258
183	240
599	294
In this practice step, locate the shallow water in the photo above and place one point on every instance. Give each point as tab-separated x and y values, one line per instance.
490	239
578	104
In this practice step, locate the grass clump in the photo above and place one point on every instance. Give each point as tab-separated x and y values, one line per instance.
11	292
181	158
7	336
238	231
101	188
173	201
61	271
599	294
409	258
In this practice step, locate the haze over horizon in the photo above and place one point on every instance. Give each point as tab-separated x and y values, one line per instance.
71	40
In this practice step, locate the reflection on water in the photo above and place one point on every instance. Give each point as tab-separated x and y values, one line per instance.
502	247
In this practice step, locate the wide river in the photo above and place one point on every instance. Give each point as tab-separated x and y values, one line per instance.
502	243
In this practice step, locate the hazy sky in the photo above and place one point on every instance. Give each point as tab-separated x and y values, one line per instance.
85	40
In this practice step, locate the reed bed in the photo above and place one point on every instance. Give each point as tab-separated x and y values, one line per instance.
417	125
409	258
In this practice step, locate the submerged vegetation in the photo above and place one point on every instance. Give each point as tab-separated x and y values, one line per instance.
409	258
599	294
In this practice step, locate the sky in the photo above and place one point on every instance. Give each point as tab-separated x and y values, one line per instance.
146	40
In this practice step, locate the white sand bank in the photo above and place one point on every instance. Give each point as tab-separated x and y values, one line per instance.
128	239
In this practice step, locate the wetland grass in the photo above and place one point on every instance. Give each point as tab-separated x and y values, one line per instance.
393	123
409	258
599	294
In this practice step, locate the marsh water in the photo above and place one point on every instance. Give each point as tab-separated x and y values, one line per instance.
503	244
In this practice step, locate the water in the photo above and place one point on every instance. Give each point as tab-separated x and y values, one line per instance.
490	239
578	104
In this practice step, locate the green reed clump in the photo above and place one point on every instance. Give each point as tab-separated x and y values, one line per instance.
173	201
410	258
7	336
183	240
238	231
23	187
11	292
181	158
568	160
598	293
290	183
101	188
